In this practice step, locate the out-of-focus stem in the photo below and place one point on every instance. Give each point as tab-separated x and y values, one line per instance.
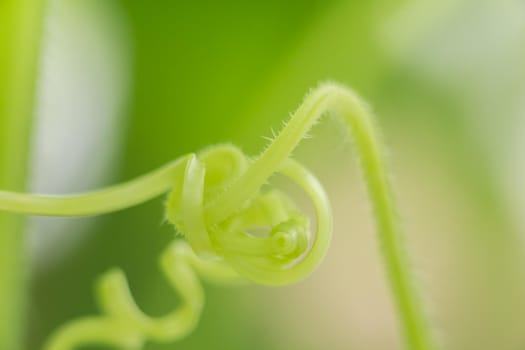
20	32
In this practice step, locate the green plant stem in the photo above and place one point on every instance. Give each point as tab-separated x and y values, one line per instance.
332	98
122	323
20	31
106	200
328	98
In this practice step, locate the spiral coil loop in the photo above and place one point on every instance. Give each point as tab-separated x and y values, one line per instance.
224	251
265	259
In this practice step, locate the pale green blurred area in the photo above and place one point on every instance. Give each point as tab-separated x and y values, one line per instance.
149	81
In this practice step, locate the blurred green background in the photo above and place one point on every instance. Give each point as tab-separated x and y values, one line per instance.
126	86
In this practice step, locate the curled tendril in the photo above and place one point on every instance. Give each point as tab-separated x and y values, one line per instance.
236	229
225	252
284	255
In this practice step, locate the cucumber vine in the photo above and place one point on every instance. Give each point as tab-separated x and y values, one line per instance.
216	199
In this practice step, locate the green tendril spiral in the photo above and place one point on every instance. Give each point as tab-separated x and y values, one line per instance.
236	228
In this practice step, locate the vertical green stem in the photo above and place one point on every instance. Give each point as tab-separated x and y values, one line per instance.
20	31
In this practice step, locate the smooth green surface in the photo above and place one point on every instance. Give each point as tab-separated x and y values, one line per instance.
107	200
20	31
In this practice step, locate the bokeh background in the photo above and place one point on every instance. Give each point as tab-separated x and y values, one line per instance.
126	86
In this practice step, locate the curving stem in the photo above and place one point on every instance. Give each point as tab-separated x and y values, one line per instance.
357	117
327	98
106	200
